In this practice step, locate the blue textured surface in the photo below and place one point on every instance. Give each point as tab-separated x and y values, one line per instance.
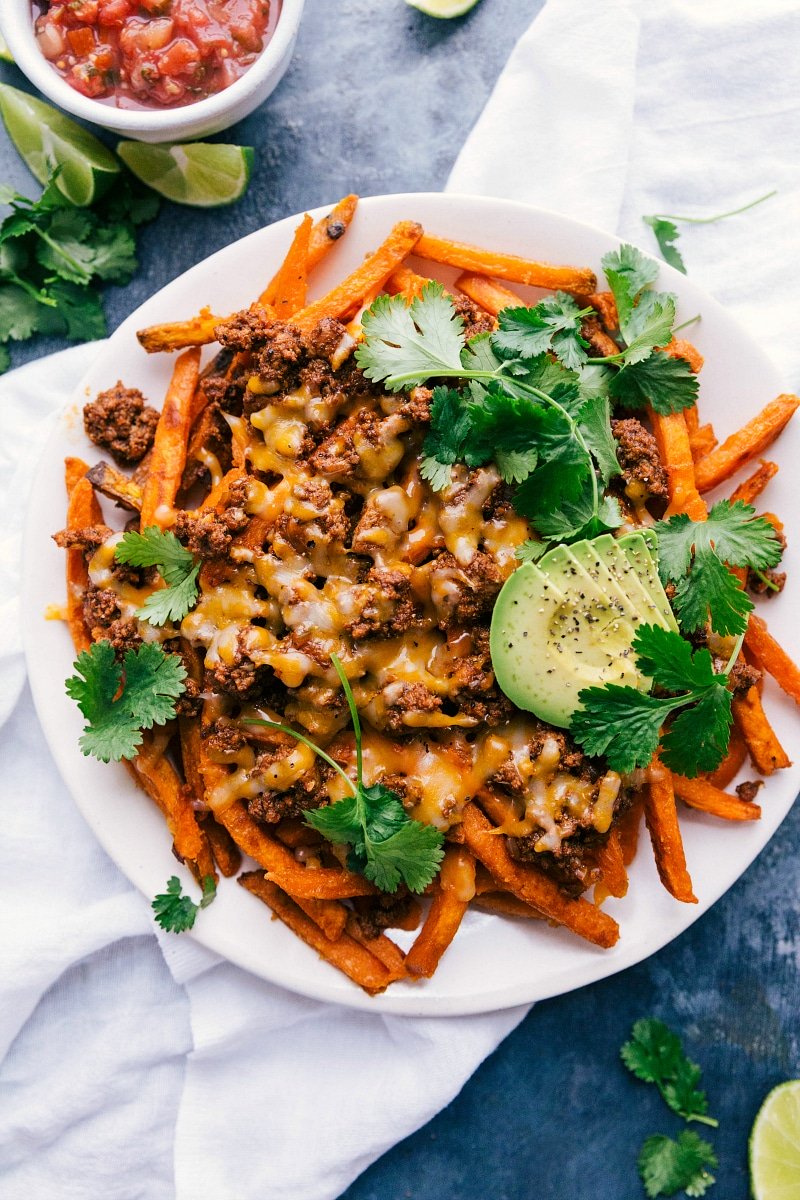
379	99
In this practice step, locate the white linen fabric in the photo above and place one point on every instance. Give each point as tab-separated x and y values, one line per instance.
604	112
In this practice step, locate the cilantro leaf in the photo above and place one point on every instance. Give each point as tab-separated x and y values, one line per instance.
5	359
81	311
531	551
20	313
666	234
178	569
667	384
153	681
693	554
386	845
594	422
648	325
444	444
553	324
624	724
175	912
654	1054
628	272
668	1166
410	343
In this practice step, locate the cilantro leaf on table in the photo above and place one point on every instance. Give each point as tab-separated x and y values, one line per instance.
177	567
693	555
654	1054
386	846
151	683
52	255
666	234
667	384
667	1166
552	324
625	724
175	912
409	343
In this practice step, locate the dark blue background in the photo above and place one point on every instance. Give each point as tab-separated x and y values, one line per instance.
380	99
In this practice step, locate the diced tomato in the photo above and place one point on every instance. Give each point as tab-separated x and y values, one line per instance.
158	52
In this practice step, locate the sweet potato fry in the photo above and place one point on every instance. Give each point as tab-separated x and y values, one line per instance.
353	959
752	487
746	444
382	947
227	854
680	348
118	487
702	795
767	753
319	883
532	886
179	335
732	763
456	887
156	774
772	657
491	296
325	233
405	282
506	905
628	828
612	865
505	266
702	441
169	447
676	455
662	823
82	509
372	273
291	282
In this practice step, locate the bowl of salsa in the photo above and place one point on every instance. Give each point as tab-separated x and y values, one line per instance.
157	70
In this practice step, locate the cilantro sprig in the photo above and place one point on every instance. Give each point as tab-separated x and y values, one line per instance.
693	555
53	255
177	567
176	912
665	229
668	1165
120	700
654	1054
386	845
625	724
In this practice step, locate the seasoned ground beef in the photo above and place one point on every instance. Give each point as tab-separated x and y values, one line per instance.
388	605
574	869
224	737
766	583
749	789
244	329
122	422
639	459
326	341
189	703
242	679
209	535
464	595
88	538
407	699
475	319
600	344
373	914
742	676
99	609
123	635
278	359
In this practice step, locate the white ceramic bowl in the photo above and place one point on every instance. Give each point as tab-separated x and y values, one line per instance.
151	124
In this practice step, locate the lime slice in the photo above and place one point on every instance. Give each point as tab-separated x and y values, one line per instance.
775	1145
46	138
202	174
5	53
443	8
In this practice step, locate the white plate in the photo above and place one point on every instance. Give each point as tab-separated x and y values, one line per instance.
494	962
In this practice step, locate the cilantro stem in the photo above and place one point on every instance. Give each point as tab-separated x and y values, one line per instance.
735	654
54	246
692	320
351	704
734	212
300	737
768	583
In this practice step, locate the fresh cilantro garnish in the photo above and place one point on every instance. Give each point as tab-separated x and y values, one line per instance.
654	1054
177	567
407	344
667	1166
628	272
667	384
175	912
151	682
625	724
52	255
666	234
693	554
386	845
666	231
553	324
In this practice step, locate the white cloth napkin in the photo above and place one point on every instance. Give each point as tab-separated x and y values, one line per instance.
604	112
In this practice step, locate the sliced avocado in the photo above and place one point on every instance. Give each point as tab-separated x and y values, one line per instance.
556	632
583	558
641	548
627	574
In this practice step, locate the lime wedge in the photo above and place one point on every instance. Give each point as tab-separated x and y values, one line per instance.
443	8
5	53
775	1145
202	174
46	139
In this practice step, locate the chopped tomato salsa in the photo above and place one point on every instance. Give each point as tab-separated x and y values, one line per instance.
156	53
